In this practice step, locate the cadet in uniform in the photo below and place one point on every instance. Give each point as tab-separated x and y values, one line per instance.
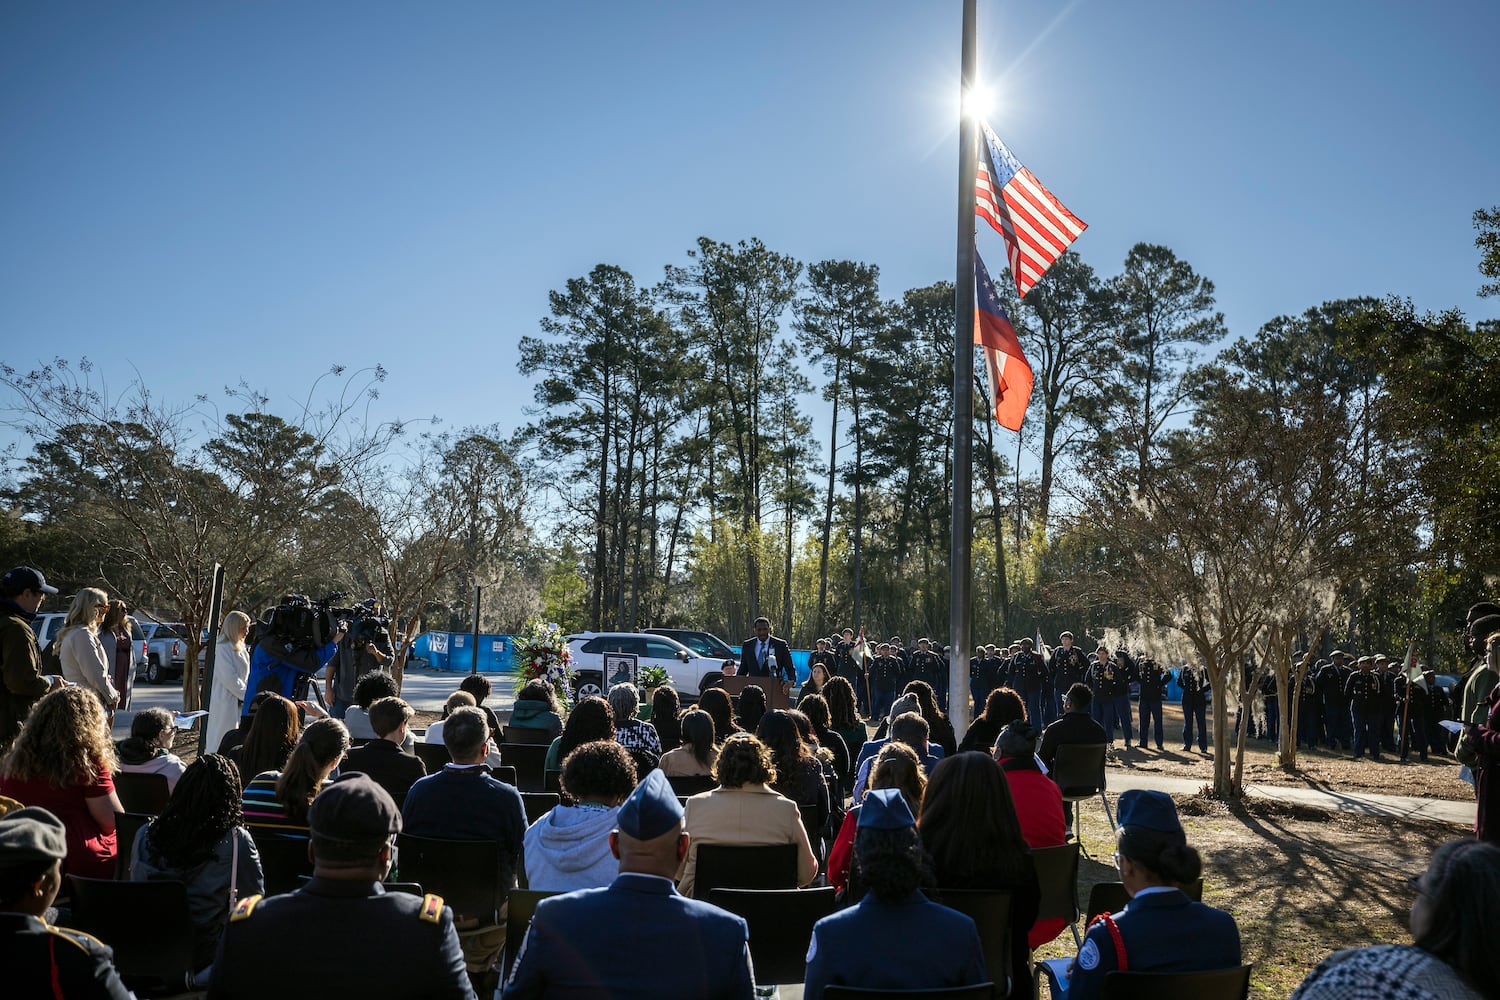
928	666
1070	665
1028	675
1385	670
981	679
885	675
1335	707
1153	690
1309	708
342	932
824	655
1362	690
40	960
1194	706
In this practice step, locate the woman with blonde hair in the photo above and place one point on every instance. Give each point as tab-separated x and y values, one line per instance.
78	647
231	670
62	761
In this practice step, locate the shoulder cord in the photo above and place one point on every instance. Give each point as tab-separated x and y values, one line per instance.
57	992
1117	938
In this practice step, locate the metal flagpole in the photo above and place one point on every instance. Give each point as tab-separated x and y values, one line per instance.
963	392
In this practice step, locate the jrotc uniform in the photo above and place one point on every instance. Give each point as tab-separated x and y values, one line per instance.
854	673
900	653
983	678
1309	709
1194	706
1112	682
1388	716
885	674
1363	692
1439	707
929	667
1331	686
1069	667
1124	674
1413	701
1153	690
1028	675
823	656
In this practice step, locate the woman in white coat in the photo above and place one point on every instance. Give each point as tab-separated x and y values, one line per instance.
84	661
231	670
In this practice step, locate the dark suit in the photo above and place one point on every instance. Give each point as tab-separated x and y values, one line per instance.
939	947
387	944
36	955
1163	932
778	659
391	769
1073	727
637	938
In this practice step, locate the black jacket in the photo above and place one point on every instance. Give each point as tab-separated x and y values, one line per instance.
388	767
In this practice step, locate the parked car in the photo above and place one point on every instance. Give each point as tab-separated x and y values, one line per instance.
46	627
703	643
685	668
166	651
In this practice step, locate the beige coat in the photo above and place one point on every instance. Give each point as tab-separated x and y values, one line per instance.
751	815
84	663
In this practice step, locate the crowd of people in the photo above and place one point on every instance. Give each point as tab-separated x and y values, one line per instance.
891	818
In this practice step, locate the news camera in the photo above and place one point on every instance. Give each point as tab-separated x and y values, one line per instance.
304	623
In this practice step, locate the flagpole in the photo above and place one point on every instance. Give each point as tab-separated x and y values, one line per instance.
963	389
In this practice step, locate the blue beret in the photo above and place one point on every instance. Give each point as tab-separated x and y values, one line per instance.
1149	809
651	810
885	809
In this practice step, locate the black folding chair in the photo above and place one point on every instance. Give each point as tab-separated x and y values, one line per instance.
1111	897
983	991
552	781
990	911
687	785
147	925
284	860
1220	984
524	734
1057	875
127	825
472	876
530	761
505	774
537	804
1078	769
781	923
744	866
434	756
521	907
142	793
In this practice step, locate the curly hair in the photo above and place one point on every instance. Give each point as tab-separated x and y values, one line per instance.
715	701
1002	707
65	741
891	862
273	735
896	766
203	808
969	827
371	686
927	699
601	770
744	760
839	694
591	719
323	744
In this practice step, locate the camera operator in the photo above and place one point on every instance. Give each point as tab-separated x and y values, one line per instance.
286	663
360	652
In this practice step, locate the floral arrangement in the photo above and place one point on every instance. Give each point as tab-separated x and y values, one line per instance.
541	652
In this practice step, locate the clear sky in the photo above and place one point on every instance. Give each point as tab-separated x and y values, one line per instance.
211	191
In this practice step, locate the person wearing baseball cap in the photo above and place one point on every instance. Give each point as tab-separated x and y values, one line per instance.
22	682
637	937
41	960
1162	930
364	940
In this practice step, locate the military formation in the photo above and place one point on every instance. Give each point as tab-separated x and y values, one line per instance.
1359	704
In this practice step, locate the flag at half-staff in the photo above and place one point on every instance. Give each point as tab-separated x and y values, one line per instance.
1009	373
1036	226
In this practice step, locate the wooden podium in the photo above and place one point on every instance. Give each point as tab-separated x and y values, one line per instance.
775	697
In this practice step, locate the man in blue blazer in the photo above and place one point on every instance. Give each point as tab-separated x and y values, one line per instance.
637	938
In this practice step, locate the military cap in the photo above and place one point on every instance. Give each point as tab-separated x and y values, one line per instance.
24	578
1482	609
1338	652
1365	659
31	834
885	809
1382	658
1150	810
354	809
1484	627
651	810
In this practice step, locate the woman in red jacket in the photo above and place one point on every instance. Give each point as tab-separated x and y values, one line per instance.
1039	805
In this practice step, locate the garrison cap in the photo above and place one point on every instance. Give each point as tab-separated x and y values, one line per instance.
1149	809
31	834
651	810
25	578
354	809
885	809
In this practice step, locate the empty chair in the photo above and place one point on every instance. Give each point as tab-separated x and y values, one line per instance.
472	876
743	866
505	774
1078	770
283	861
537	804
525	734
142	793
530	761
434	755
147	925
781	922
127	825
1220	984
982	991
990	911
687	785
521	907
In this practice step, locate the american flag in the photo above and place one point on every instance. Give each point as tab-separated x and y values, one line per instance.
1036	226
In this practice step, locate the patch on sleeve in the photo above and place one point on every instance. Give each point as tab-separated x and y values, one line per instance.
1088	957
812	947
432	908
243	909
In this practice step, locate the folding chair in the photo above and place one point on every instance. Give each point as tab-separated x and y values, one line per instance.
982	991
525	734
744	866
505	774
552	781
781	923
472	876
537	804
1111	897
1057	874
688	785
147	925
1078	769
990	911
283	861
1220	984
520	908
529	760
434	756
142	793
127	825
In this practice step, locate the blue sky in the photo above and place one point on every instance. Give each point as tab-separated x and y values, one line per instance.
210	192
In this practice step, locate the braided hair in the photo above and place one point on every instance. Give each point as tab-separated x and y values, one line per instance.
203	809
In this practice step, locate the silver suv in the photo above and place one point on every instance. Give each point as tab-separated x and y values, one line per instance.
685	668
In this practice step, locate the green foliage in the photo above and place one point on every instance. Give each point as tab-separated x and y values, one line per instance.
1487	221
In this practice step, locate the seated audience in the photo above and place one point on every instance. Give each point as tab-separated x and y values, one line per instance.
277	801
665	709
969	829
200	840
717	703
370	688
814	708
1161	930
1039	805
1001	708
1453	926
464	801
272	737
456	700
591	719
938	723
148	749
658	944
902	705
1075	727
799	775
697	754
41	960
843	718
568	848
745	810
911	729
750	706
393	945
234	738
896	766
536	707
383	758
939	947
479	686
62	761
630	732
